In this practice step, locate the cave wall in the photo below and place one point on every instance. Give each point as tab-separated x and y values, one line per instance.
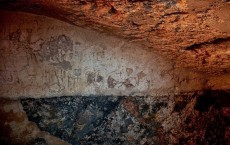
192	119
192	33
105	89
42	57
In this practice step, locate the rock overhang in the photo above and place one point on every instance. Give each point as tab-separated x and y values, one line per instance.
193	34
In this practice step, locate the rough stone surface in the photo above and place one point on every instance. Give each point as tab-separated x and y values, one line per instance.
195	118
137	79
16	129
193	34
46	57
43	57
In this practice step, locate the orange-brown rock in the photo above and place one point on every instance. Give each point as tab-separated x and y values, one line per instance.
193	34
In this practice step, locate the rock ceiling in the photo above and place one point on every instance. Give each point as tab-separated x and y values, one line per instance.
193	34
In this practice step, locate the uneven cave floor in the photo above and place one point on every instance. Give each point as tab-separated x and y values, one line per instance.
201	118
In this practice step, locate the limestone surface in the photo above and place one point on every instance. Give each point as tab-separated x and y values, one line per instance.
193	34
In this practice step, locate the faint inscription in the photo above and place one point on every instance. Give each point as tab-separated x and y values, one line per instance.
56	51
99	78
111	82
90	77
77	72
129	71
